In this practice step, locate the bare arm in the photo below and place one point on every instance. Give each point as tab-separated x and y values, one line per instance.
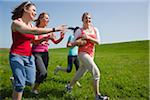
96	41
38	40
23	28
59	40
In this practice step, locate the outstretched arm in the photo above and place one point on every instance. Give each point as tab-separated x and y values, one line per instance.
25	29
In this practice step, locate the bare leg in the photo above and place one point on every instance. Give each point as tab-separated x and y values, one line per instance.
36	86
16	95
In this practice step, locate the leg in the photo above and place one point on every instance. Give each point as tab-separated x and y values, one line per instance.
78	75
76	62
16	95
17	66
41	72
40	67
68	69
70	64
88	61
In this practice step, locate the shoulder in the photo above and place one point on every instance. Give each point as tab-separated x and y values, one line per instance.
17	22
96	29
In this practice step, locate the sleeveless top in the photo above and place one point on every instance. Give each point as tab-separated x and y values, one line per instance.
73	51
89	47
21	43
42	47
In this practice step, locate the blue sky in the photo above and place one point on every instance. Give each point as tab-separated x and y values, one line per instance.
117	20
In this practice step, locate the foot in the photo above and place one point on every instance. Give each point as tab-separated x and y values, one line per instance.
99	97
35	91
68	88
78	84
12	80
56	70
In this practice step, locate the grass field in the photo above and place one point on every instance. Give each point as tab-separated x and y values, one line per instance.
124	74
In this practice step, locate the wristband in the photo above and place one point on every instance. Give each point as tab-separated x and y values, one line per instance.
53	30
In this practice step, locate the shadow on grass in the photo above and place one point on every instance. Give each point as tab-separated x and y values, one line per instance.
57	80
47	93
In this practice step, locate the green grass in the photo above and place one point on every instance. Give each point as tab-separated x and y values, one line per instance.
124	74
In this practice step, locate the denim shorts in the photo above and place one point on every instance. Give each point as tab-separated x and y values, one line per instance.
23	69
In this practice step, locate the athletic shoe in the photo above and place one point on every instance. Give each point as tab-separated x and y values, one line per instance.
35	91
99	97
12	80
56	70
68	88
78	84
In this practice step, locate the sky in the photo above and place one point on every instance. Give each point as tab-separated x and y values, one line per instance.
117	20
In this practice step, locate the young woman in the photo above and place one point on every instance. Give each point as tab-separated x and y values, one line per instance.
72	56
21	59
40	52
86	54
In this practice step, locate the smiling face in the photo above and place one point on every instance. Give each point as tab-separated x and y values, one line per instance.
86	19
44	20
30	11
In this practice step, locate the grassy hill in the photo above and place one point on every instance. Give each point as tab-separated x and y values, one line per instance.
124	74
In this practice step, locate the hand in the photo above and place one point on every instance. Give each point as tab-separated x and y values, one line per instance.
61	28
81	42
62	35
84	36
51	36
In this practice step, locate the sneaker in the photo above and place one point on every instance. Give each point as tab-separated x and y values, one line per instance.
99	97
35	91
56	70
12	80
78	84
68	88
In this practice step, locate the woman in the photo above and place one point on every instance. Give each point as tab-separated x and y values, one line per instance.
86	54
21	59
72	56
40	52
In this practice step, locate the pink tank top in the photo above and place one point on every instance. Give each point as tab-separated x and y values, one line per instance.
43	47
89	47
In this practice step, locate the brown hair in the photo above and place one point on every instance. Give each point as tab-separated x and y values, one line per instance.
19	10
84	14
40	17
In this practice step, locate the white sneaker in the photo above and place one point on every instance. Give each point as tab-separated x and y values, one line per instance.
12	80
68	88
99	97
35	91
78	84
56	70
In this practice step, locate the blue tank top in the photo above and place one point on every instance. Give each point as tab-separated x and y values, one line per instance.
73	51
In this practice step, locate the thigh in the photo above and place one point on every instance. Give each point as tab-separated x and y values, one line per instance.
18	69
76	62
87	61
30	70
45	58
70	62
40	66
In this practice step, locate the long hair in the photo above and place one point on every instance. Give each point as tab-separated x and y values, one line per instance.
74	28
39	18
19	10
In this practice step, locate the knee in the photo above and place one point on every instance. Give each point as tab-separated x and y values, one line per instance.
96	75
43	75
19	88
68	70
